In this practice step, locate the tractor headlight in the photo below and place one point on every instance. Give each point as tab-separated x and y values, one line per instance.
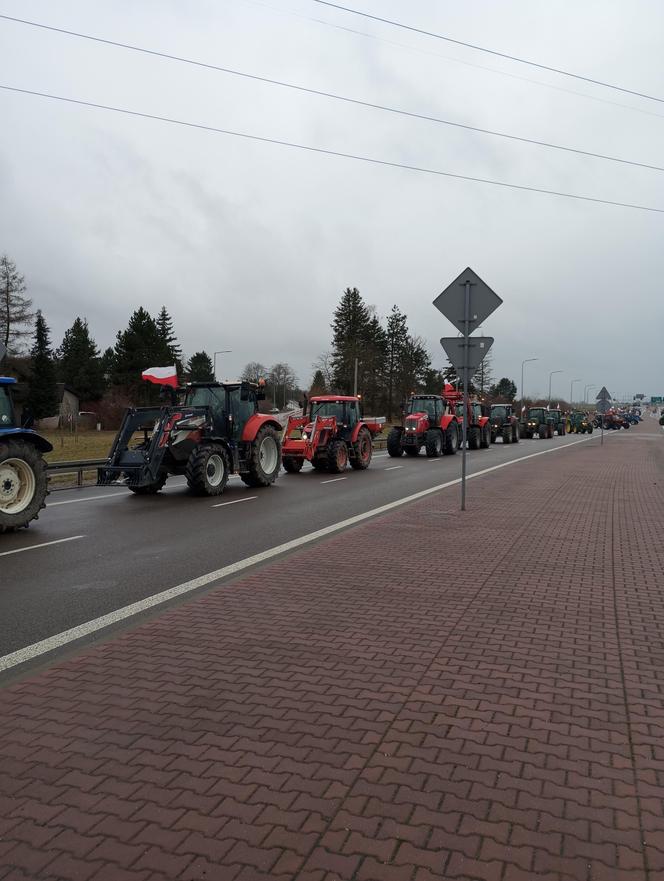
305	436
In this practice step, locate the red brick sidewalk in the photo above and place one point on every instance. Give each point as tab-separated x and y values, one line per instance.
427	696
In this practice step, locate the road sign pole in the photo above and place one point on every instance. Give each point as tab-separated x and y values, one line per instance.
464	424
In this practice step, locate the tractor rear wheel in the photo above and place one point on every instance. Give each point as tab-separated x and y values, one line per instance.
264	459
433	443
394	445
485	437
363	450
515	434
451	440
337	457
207	470
507	435
292	465
561	429
474	437
543	431
23	484
150	489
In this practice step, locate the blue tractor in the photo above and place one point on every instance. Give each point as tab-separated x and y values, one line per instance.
23	480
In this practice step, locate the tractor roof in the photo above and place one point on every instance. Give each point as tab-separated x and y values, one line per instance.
227	383
428	397
319	398
7	380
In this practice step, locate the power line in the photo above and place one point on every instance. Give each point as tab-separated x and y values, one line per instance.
416	30
333	96
328	152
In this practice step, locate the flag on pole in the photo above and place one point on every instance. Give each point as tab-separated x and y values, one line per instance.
161	375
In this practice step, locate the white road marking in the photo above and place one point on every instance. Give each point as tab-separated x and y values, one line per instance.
334	480
235	502
87	499
393	468
44	544
51	643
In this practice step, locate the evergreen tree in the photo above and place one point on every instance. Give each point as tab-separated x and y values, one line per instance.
371	372
396	341
415	366
200	368
79	363
318	386
505	389
350	336
43	392
432	381
16	314
167	335
108	364
138	347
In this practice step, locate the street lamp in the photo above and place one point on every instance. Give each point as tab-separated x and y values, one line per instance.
525	361
220	352
571	390
585	392
550	375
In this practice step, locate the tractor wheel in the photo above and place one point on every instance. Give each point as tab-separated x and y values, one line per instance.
507	435
433	443
494	437
292	465
451	440
150	489
543	431
486	438
550	431
337	457
474	437
319	464
207	470
394	445
561	429
515	434
412	451
264	459
590	429
363	450
23	484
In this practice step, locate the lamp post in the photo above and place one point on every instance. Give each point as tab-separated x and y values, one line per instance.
571	390
525	361
550	375
585	392
220	352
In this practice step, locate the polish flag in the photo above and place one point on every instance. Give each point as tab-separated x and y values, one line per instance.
161	375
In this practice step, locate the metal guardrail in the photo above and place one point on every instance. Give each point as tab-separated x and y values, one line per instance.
74	468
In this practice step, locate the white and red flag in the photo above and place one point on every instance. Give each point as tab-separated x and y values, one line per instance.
162	375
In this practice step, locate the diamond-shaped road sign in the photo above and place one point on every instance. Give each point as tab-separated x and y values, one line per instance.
456	347
483	301
603	395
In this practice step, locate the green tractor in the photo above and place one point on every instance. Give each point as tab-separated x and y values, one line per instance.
537	421
579	423
559	422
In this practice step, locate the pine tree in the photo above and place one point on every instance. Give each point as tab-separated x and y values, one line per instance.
138	347
16	315
350	336
79	364
396	340
505	389
415	366
43	393
167	335
318	386
200	368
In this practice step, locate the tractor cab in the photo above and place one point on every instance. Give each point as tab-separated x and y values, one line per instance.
229	404
345	410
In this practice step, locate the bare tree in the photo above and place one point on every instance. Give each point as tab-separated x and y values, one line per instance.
283	381
16	315
253	371
324	364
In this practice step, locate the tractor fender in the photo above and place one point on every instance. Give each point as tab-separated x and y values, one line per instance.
29	437
255	423
356	431
446	420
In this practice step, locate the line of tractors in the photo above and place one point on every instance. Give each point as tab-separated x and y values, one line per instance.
208	431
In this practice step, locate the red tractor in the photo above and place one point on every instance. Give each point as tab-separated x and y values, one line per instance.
478	430
331	435
430	423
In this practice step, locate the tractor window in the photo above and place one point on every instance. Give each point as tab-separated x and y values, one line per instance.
243	406
459	410
477	412
536	414
499	412
423	405
6	412
206	397
352	414
328	408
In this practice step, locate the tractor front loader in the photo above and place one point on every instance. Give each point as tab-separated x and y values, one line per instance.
331	435
215	431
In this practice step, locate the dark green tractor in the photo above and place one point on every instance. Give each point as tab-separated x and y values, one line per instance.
579	423
559	422
537	421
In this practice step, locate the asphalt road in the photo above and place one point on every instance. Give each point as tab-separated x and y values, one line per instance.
125	548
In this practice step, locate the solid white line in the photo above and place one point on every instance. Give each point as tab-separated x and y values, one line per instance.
44	544
51	643
235	502
334	480
392	467
87	499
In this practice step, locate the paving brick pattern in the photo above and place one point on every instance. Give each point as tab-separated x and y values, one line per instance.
428	696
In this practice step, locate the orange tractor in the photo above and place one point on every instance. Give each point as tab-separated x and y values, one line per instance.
331	435
429	422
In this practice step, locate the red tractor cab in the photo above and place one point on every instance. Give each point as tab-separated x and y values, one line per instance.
331	435
478	428
429	422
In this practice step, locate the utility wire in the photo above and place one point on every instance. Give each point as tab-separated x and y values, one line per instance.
415	30
327	152
332	95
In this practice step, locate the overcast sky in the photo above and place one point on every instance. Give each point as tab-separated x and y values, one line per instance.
249	245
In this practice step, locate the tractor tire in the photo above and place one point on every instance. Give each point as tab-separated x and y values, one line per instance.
590	429
451	440
150	489
561	429
337	457
485	438
208	469
292	465
550	431
543	431
363	449
433	443
515	434
23	484
264	459
394	444
474	437
412	451
319	464
494	437
507	435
